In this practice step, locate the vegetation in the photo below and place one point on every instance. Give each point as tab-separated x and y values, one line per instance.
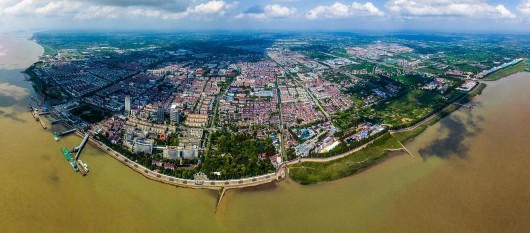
49	51
309	173
90	114
237	156
40	86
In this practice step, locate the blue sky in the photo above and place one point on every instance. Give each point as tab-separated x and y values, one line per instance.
344	15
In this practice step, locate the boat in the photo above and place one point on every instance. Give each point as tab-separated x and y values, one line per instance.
74	166
35	114
84	165
55	136
66	154
69	158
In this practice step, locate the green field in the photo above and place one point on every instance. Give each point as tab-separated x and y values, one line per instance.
361	65
521	66
310	172
415	105
49	51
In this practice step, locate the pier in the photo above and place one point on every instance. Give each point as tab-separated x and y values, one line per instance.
43	124
79	148
55	121
67	132
82	169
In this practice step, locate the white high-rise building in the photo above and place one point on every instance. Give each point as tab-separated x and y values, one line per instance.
174	114
127	105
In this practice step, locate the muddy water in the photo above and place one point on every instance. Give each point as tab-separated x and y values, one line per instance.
470	174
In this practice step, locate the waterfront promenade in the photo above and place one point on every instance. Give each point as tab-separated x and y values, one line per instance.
278	175
187	183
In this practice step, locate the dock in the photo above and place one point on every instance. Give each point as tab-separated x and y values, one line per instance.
82	169
67	132
43	124
76	163
35	115
79	148
56	121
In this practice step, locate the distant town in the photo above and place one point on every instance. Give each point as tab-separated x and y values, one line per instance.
228	106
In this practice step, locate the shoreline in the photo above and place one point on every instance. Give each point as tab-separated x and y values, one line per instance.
420	126
283	169
281	172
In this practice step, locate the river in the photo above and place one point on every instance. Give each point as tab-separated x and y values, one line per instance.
470	175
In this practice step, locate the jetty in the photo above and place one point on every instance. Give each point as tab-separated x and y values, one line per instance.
79	148
67	132
35	114
82	167
55	121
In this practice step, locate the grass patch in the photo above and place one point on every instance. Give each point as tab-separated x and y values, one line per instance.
521	66
407	135
311	172
49	51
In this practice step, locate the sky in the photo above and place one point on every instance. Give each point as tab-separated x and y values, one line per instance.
285	15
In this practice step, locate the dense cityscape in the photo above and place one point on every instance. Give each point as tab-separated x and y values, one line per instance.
264	116
235	105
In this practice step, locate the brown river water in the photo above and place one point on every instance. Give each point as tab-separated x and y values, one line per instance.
471	174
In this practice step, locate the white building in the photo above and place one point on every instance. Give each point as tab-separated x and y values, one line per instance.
143	145
174	114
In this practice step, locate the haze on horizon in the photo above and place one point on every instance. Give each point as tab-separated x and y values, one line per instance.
371	15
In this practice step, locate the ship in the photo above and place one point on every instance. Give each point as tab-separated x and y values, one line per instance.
35	114
69	158
84	165
55	136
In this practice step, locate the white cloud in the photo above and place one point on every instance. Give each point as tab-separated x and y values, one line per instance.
339	10
58	7
461	8
270	11
212	7
92	9
92	12
22	7
13	91
524	7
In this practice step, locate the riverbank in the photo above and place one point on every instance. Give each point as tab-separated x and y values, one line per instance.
359	162
519	67
186	183
315	172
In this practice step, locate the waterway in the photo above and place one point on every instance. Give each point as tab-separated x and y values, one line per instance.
470	175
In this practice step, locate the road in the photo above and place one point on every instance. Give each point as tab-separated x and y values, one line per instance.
187	183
